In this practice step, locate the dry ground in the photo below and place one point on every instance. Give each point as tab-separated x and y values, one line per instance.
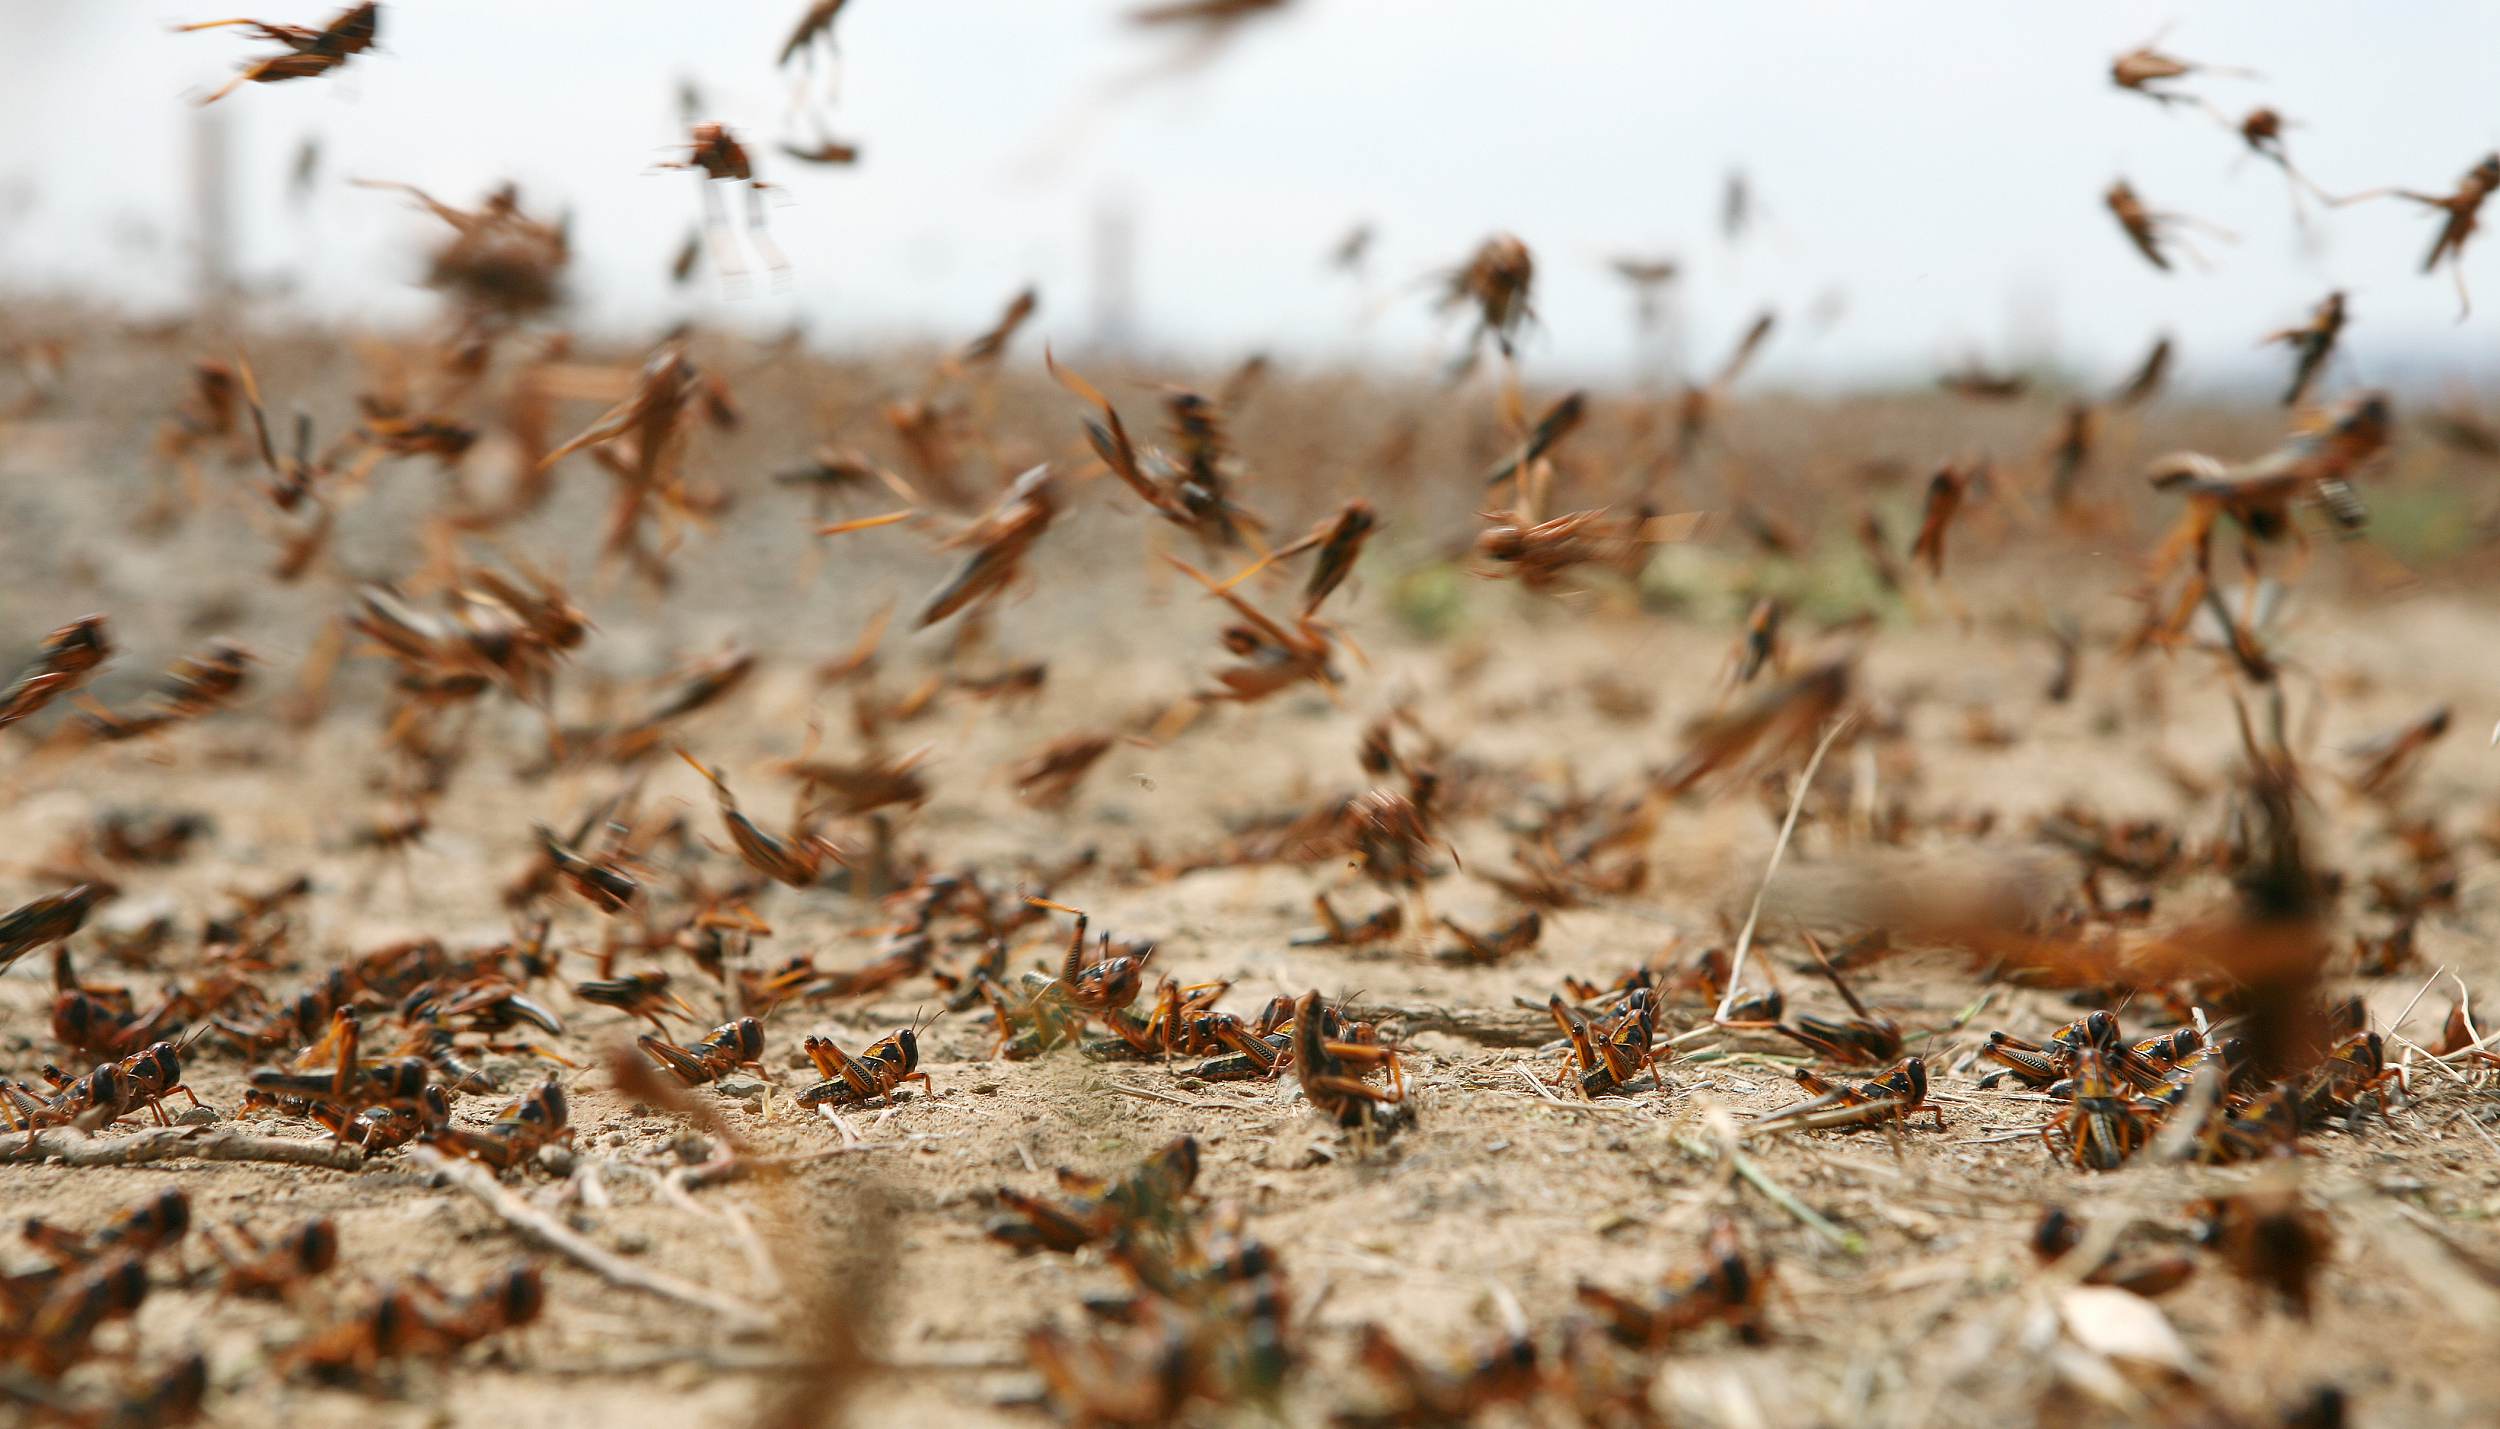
1918	1304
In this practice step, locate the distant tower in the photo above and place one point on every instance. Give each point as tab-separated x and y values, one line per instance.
1115	275
212	207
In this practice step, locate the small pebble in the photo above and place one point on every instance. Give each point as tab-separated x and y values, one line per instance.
742	1088
196	1116
632	1243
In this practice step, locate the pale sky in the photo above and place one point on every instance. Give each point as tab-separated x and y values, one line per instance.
1938	165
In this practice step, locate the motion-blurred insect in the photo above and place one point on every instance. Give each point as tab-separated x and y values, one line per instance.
499	264
1189	492
1945	491
1862	1037
1698	408
1335	932
1210	26
2318	463
2150	230
271	1270
2144	67
49	919
2151	1274
2391	757
814	30
1098	1209
642	441
798	859
2463	210
1984	384
1495	281
61	664
1048	777
2312	343
999	541
1729	1286
2261	129
987	348
2272	1239
1557	422
645	995
2070	453
1339	541
308	52
2148	377
1775	720
1272	657
198	685
1504	1373
716	154
1516	936
732	1045
1349	251
1649	280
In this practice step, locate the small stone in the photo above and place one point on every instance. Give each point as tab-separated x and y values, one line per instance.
502	1071
196	1116
632	1243
742	1088
557	1159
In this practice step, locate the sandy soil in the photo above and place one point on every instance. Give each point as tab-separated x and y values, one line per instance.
1917	1303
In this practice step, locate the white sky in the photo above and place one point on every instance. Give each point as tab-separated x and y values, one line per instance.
1939	164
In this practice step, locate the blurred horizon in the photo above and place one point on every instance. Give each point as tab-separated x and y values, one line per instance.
1927	182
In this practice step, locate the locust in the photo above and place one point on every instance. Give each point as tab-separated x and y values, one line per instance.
2461	212
1495	281
2317	464
308	52
2148	71
1603	1057
2150	230
67	657
1892	1099
874	1075
713	152
2312	343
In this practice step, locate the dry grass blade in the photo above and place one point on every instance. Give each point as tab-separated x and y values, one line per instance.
1788	830
548	1233
71	1147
